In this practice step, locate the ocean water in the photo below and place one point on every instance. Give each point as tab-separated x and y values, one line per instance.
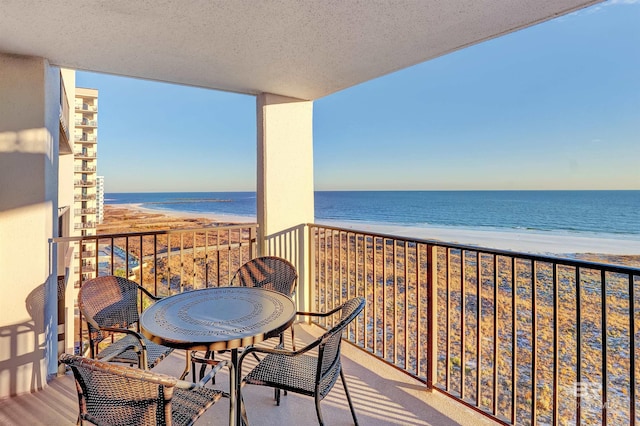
589	213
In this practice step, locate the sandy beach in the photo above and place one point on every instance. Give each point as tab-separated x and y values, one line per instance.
530	242
119	217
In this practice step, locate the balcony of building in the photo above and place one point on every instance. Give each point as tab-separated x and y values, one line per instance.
450	334
85	169
87	211
86	123
84	197
87	254
80	183
85	107
85	154
381	394
64	118
84	225
471	326
89	139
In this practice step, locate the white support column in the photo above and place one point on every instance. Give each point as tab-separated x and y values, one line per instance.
29	131
285	182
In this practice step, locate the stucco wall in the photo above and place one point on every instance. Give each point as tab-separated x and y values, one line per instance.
28	205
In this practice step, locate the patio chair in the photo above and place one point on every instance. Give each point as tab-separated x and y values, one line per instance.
301	372
110	306
270	272
112	394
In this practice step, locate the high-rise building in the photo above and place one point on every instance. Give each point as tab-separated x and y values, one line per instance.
85	193
100	198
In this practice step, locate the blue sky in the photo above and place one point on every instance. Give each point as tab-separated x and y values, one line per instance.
554	106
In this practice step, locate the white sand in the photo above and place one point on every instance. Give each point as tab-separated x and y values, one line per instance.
523	241
216	217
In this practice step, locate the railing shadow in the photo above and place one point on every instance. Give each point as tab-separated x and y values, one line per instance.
24	347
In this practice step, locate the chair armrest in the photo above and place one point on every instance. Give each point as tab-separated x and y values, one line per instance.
184	384
278	350
127	331
148	293
320	314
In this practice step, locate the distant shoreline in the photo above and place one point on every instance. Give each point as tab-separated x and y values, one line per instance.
523	241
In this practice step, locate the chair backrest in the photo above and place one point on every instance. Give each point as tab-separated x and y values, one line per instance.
108	301
117	395
329	348
269	272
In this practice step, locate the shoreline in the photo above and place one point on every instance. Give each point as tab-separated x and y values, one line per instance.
545	243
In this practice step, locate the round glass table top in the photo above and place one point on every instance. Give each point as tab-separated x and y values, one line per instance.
217	318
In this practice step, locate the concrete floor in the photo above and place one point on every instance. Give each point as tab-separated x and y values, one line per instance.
382	395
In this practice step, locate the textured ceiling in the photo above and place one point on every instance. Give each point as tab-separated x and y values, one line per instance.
298	48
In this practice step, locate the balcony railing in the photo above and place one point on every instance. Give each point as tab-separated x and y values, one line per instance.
80	154
82	183
84	254
84	225
86	107
87	139
494	330
520	338
167	262
79	212
81	169
84	197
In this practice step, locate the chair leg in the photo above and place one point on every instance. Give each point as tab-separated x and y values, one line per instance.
276	395
293	339
346	391
243	411
318	412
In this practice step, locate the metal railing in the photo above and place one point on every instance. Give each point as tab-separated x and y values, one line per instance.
81	154
523	339
86	107
164	262
79	212
84	225
85	169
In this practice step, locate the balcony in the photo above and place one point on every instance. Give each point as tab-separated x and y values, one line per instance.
86	123
85	169
84	225
85	154
87	139
79	212
381	394
84	197
85	255
454	322
85	107
84	183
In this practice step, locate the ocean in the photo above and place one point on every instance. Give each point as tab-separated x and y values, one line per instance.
611	214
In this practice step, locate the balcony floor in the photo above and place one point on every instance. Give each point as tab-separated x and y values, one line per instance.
382	395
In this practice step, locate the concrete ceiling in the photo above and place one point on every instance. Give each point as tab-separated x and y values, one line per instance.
299	48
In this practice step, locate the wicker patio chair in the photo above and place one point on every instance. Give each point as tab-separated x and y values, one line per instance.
270	272
110	306
302	372
112	394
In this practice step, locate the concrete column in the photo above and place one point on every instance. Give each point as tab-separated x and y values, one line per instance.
285	181
29	131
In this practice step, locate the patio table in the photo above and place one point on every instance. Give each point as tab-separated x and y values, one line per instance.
219	318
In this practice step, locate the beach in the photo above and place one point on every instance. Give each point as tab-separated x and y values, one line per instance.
135	218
